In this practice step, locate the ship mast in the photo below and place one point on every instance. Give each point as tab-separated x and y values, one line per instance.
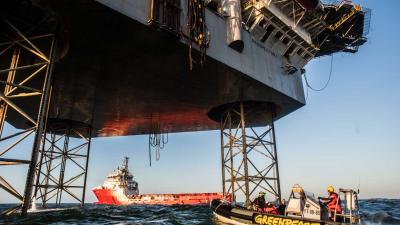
125	163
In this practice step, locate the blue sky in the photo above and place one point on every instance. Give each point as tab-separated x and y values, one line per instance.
346	135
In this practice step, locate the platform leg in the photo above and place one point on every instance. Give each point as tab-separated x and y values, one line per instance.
28	80
64	162
249	157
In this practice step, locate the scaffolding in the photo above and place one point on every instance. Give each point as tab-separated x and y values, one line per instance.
248	156
63	163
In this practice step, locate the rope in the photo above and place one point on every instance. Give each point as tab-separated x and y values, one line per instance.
306	93
157	141
326	85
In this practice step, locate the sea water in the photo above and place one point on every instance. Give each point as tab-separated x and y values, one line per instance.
373	211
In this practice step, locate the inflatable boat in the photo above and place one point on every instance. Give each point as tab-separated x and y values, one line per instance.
301	209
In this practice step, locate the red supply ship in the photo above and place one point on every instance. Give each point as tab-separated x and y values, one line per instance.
119	188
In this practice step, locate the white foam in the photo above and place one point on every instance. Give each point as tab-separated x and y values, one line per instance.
33	207
40	210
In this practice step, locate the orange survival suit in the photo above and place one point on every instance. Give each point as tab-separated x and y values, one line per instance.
333	202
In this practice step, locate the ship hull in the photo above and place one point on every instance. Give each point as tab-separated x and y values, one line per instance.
113	197
106	196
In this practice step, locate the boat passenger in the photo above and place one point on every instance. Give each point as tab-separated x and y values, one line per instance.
332	202
282	207
261	205
259	202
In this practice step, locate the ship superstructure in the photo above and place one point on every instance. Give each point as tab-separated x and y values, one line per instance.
122	179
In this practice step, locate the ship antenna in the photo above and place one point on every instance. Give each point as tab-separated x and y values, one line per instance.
125	164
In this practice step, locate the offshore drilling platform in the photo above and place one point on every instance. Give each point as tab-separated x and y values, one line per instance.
71	70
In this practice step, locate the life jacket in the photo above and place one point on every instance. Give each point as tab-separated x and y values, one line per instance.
271	209
332	205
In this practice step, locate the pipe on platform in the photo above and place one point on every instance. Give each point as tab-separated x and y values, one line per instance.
232	11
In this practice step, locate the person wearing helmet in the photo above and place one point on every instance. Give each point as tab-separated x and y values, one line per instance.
259	202
332	202
261	205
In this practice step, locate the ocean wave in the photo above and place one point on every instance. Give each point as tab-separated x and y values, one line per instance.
105	214
380	211
373	211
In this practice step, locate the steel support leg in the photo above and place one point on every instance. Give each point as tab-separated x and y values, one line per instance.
249	157
40	131
86	166
245	159
222	161
28	80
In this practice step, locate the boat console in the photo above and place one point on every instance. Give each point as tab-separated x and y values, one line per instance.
304	204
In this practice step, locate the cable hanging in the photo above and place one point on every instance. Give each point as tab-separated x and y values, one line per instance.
329	78
158	138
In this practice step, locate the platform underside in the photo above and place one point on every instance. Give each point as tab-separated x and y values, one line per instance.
127	78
